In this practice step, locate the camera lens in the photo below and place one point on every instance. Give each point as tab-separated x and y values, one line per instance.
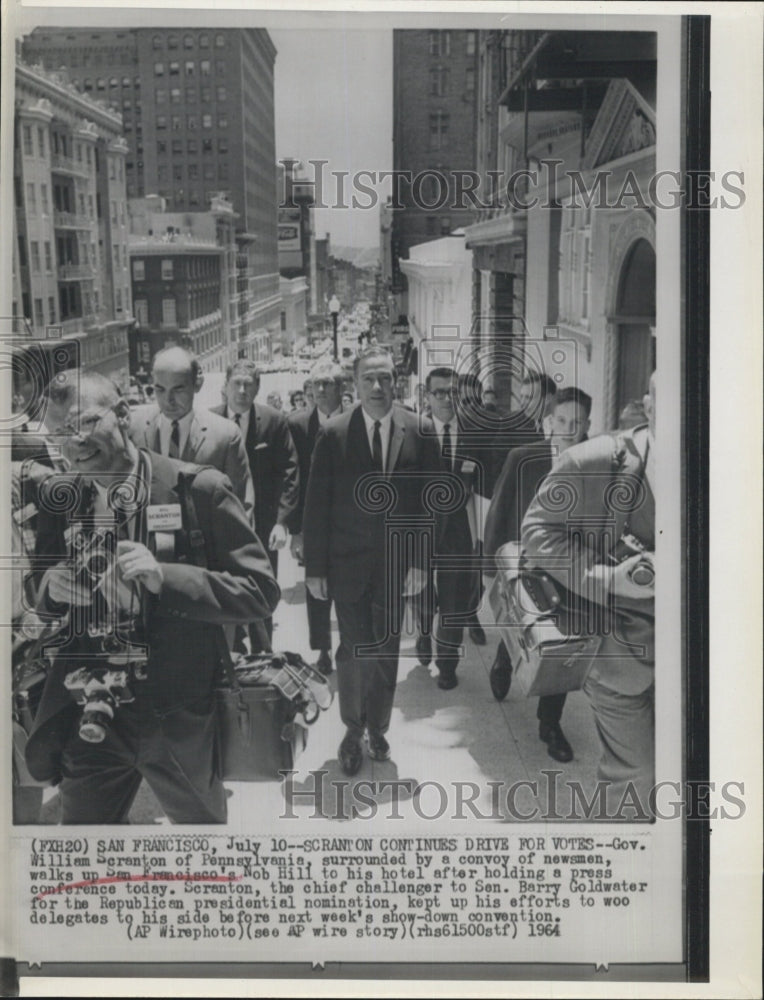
643	575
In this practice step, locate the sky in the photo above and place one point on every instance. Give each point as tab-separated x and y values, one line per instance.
334	92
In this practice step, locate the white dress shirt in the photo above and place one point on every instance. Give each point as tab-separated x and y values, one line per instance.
165	431
384	433
323	417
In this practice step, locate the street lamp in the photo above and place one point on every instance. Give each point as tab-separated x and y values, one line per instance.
334	309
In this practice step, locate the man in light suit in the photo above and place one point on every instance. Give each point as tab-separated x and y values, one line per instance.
273	464
304	425
585	544
174	428
370	462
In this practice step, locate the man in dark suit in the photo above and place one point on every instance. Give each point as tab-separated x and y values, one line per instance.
174	428
273	463
169	603
524	471
304	425
369	462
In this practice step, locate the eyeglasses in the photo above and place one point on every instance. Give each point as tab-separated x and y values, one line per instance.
441	393
323	383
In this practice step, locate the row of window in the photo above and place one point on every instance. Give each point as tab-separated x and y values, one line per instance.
205	95
181	198
197	267
207	171
440	77
177	145
174	41
88	85
189	68
440	43
175	122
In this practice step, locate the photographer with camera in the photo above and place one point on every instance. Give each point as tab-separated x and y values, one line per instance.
591	527
142	611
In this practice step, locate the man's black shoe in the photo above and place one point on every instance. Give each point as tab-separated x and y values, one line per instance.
447	681
424	649
477	635
350	755
324	662
557	746
379	748
500	677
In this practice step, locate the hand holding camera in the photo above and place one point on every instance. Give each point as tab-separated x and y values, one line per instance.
136	562
634	577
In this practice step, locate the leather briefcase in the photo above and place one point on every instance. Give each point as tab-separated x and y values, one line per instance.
264	710
529	610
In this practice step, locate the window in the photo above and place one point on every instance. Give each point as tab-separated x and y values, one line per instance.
51	309
191	122
204	41
88	155
220	67
438	81
38	314
206	121
34	248
175	123
190	65
222	145
440	43
431	222
22	254
204	67
87	85
469	80
112	169
90	205
445	224
31	198
158	69
222	171
41	142
167	272
471	36
177	147
82	203
192	146
172	41
190	95
206	95
139	270
44	197
188	41
161	95
48	256
168	312
157	42
221	94
113	82
206	145
126	81
141	310
127	105
113	213
175	95
162	173
101	83
161	122
193	198
209	171
438	129
193	171
28	151
119	300
219	41
223	121
161	147
115	253
174	69
177	172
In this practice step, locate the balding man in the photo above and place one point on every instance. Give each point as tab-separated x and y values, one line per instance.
175	429
181	560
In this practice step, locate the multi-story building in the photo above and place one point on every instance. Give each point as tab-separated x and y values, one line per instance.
199	118
434	106
564	268
184	282
71	277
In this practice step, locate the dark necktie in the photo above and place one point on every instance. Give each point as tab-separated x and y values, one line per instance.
237	419
174	451
446	447
376	448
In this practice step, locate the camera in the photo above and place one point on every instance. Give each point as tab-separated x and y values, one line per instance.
99	690
643	572
95	555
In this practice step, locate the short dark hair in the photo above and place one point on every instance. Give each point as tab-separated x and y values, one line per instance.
571	394
294	394
548	387
245	366
374	351
437	373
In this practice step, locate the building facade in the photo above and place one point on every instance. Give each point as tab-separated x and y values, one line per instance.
183	283
198	117
70	261
434	105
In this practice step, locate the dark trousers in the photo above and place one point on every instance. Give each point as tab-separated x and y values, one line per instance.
319	622
550	706
261	631
366	680
457	594
176	755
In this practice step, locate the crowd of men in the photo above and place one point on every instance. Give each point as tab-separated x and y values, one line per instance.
382	503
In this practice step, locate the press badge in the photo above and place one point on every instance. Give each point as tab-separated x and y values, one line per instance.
164	517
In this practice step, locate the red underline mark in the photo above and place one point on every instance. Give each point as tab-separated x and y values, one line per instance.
139	878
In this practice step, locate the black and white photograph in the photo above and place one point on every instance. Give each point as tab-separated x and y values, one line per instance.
365	374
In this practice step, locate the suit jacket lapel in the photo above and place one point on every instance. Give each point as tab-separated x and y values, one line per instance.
358	441
397	433
253	429
153	440
194	440
313	425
